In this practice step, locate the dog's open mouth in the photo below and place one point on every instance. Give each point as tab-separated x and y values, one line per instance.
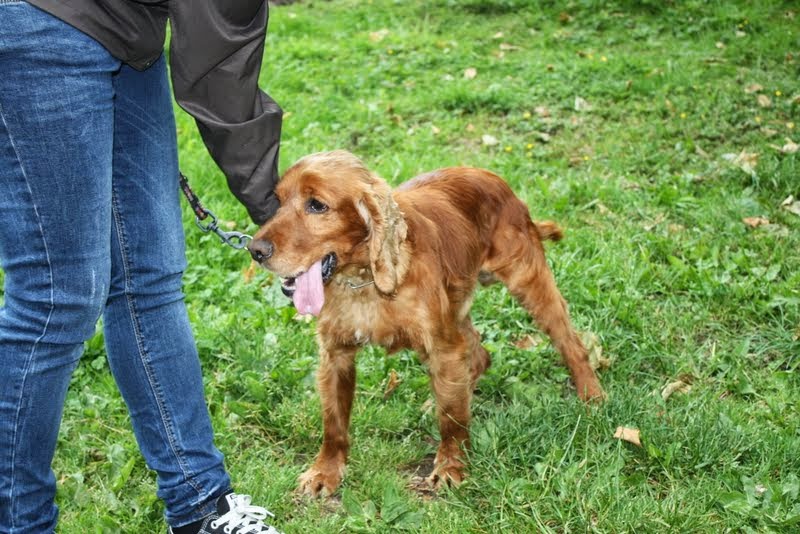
306	289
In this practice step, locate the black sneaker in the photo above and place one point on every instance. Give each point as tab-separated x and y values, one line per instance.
235	515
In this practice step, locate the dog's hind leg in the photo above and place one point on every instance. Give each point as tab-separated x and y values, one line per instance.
518	260
479	356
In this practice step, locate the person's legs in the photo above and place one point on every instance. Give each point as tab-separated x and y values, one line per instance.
56	127
149	340
74	242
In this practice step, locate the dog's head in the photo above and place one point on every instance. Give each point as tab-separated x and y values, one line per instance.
333	212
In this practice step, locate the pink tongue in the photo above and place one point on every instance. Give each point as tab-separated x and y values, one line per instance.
309	296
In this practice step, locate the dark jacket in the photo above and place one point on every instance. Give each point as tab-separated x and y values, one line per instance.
215	55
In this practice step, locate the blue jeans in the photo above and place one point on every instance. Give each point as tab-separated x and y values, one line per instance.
90	225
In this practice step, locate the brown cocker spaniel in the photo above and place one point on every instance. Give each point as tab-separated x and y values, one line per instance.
398	269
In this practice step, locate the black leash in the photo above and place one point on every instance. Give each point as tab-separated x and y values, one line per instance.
236	240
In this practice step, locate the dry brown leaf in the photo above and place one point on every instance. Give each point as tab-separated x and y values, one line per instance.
595	350
470	127
250	272
648	226
746	161
753	88
631	435
764	101
470	73
755	222
789	148
489	140
679	386
581	104
391	384
379	35
791	205
542	111
529	341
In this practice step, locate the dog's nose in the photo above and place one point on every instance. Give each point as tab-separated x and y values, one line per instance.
261	250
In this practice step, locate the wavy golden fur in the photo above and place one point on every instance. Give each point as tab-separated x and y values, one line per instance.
408	264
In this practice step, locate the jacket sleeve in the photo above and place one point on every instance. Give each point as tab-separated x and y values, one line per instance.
215	58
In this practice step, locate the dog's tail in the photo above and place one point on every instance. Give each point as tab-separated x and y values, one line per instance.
548	230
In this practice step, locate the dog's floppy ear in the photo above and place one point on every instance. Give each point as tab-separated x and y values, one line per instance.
387	233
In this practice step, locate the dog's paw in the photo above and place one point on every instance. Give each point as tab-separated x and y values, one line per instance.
320	481
591	392
447	473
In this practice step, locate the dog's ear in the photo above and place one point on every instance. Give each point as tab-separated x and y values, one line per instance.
387	233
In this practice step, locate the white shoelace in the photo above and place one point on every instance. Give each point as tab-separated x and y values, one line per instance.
244	517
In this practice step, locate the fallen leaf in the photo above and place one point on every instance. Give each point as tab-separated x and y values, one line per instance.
674	228
498	35
595	351
764	101
528	342
631	435
679	386
435	130
489	140
379	35
789	148
250	272
755	222
470	73
791	205
564	17
777	230
391	384
542	111
753	88
648	226
581	104
746	161
470	127
506	46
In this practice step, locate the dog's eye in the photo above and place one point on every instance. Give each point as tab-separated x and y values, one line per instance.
315	206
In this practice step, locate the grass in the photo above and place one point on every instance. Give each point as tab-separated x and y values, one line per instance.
616	119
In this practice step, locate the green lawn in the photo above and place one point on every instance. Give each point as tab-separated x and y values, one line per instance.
649	130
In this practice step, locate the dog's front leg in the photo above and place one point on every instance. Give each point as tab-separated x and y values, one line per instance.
336	381
452	386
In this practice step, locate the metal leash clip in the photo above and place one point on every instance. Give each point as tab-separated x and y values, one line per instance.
236	240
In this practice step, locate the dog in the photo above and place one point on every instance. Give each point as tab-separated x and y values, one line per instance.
399	269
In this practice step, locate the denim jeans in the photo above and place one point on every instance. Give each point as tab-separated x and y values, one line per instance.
90	225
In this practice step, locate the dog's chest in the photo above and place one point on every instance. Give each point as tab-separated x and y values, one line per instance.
360	317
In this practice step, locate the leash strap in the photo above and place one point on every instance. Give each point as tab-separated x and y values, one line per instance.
236	240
